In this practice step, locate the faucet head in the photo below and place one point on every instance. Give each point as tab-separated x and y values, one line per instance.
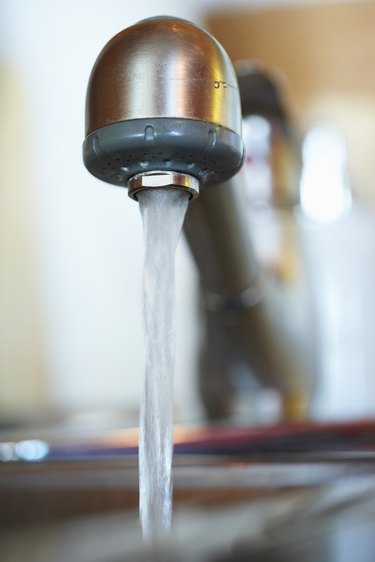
163	98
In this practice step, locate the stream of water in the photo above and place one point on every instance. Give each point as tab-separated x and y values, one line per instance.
163	212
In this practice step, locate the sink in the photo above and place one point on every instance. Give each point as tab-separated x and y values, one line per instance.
273	503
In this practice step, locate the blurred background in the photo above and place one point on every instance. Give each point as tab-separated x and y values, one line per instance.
71	247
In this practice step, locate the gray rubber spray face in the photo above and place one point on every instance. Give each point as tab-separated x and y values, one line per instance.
209	152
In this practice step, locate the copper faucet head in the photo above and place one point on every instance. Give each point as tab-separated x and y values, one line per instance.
163	96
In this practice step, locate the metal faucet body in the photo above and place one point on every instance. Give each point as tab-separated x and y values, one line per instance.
163	97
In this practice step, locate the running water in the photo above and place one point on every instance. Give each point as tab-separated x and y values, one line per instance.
163	211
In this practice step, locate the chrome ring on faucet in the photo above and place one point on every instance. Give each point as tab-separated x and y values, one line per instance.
163	179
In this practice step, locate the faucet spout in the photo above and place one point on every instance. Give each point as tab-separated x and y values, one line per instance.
163	109
162	179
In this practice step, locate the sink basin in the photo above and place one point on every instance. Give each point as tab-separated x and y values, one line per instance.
288	502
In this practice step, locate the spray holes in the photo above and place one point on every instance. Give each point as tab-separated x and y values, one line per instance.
216	84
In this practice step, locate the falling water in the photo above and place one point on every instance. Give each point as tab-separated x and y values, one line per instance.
163	212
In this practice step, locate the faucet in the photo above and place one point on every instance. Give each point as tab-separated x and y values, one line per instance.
163	111
240	332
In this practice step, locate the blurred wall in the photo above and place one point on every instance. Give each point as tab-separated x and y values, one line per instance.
23	376
71	247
